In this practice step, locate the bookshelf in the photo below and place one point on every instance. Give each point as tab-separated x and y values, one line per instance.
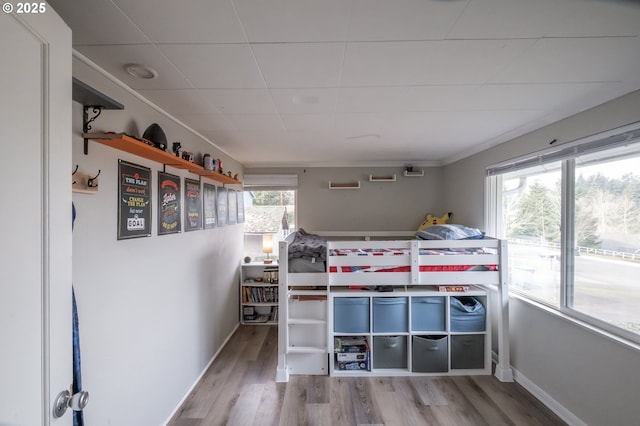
259	293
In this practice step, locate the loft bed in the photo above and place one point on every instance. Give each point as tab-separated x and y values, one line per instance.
394	261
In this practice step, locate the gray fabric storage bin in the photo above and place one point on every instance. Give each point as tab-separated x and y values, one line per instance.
430	354
390	314
389	351
467	351
427	313
467	314
351	315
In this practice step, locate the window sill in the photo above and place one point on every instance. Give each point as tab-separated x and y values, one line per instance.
628	343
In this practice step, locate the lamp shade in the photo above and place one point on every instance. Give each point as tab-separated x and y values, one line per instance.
267	243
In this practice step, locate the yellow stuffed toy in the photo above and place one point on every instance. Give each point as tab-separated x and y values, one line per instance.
432	220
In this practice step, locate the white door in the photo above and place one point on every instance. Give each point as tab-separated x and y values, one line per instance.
35	215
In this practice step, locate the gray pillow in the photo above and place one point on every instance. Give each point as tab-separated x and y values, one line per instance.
450	232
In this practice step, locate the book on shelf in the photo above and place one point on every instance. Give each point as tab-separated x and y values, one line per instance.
453	288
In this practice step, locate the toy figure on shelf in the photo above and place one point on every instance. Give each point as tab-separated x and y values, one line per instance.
176	148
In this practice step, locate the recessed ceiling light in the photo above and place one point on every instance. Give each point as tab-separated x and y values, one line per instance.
140	71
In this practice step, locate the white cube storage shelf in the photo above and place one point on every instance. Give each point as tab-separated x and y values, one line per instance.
414	332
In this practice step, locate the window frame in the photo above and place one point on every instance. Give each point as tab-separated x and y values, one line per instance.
566	154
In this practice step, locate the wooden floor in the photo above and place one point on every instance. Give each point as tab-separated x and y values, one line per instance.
239	389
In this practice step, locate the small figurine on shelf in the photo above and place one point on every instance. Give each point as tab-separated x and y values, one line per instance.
207	162
186	155
235	176
229	173
176	148
219	163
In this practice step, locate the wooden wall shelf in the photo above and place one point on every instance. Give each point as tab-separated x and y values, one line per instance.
133	146
344	185
381	178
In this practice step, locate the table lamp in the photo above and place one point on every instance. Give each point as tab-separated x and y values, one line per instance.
267	246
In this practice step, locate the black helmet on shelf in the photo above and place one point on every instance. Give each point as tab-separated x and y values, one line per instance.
155	134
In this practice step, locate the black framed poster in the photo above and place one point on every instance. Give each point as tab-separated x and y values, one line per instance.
168	204
134	200
209	205
192	205
240	206
222	206
232	207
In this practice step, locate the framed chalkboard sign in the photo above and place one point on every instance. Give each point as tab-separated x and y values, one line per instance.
192	205
233	207
240	206
222	206
134	200
209	205
168	204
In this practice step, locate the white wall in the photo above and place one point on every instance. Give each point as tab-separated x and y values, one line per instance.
153	311
592	376
383	206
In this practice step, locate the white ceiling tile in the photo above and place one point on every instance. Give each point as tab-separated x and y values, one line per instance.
374	20
206	122
168	21
542	97
308	125
113	59
343	81
112	27
294	20
494	19
179	102
427	62
599	18
291	65
267	124
574	60
240	101
305	101
404	98
216	66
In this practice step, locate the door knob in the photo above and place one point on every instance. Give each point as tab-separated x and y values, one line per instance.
79	400
65	400
61	404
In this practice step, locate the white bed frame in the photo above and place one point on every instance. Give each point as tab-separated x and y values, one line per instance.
316	356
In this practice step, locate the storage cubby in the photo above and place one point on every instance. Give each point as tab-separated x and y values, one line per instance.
259	294
430	354
389	351
412	331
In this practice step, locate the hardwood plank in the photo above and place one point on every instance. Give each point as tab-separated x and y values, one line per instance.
362	402
318	414
428	392
245	409
270	405
511	397
488	409
458	410
340	402
199	403
295	400
239	389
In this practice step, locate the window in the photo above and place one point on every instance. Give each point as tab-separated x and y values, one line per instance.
571	216
270	207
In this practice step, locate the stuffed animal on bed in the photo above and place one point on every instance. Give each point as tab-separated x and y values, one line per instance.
432	220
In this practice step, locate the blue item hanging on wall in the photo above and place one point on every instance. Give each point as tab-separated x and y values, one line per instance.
78	417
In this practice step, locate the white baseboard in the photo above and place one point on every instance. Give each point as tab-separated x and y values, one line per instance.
547	400
195	383
543	397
